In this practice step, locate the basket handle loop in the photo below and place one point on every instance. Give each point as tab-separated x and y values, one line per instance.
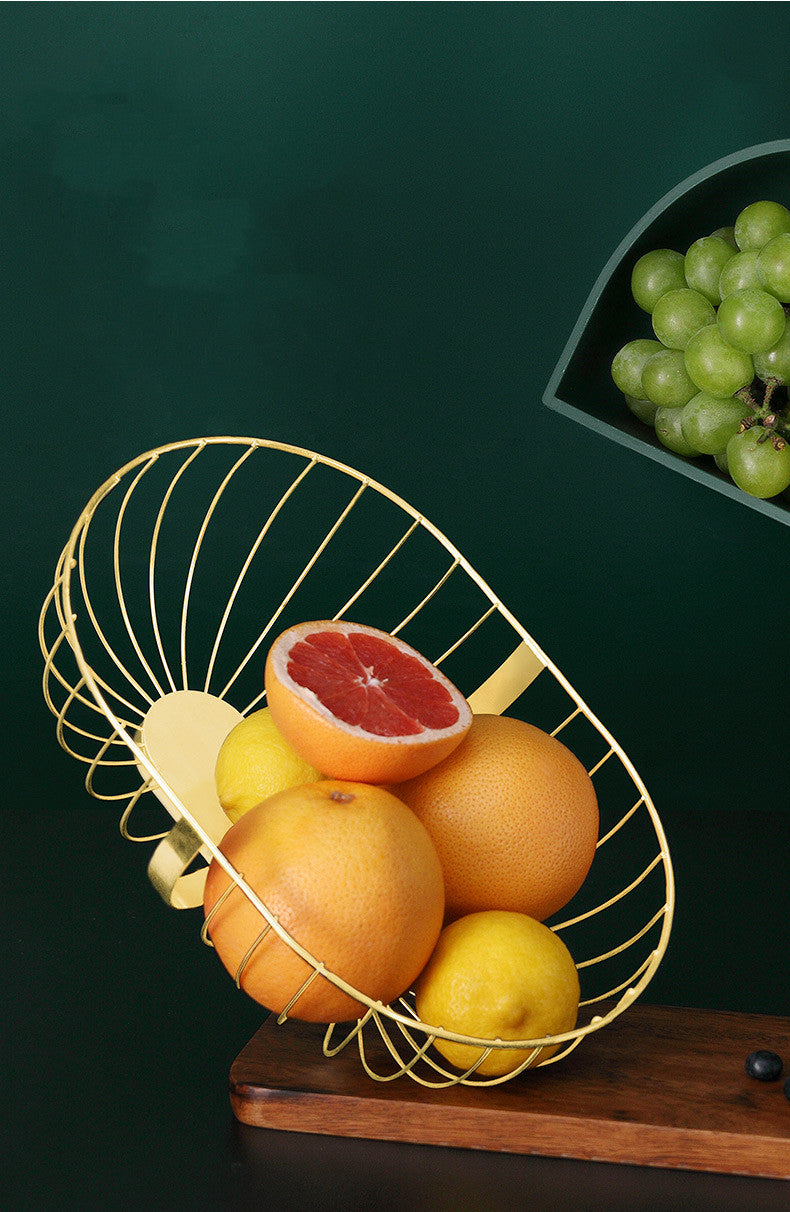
506	683
166	870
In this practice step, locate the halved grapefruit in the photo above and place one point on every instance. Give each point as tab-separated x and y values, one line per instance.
360	704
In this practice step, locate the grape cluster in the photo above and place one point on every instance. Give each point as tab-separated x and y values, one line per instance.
713	379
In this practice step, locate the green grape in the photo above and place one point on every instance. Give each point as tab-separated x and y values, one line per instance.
721	319
708	423
773	267
654	274
644	410
669	432
775	364
751	320
756	465
666	381
714	366
679	314
629	362
739	272
728	234
760	222
704	263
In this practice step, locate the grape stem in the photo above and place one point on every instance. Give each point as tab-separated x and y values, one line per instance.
775	421
745	394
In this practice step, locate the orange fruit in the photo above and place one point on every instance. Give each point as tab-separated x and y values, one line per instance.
354	878
498	975
360	704
514	817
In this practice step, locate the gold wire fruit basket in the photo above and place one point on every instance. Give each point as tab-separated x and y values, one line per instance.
181	570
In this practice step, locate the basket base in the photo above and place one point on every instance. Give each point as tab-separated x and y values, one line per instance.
661	1086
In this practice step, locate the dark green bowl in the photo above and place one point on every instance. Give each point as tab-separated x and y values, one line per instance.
581	387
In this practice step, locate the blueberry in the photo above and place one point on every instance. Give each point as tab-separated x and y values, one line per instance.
764	1065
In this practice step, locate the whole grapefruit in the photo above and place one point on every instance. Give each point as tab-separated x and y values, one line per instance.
514	817
351	874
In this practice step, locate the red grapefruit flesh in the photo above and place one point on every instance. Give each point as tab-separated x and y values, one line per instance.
360	704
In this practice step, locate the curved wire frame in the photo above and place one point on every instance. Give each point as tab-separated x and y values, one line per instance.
101	678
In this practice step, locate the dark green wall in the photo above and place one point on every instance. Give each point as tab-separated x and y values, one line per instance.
368	229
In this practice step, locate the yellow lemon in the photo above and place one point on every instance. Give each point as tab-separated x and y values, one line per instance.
255	762
498	975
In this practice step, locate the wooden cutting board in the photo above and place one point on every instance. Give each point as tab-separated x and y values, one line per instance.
660	1086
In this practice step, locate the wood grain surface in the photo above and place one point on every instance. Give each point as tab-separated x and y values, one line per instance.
660	1086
